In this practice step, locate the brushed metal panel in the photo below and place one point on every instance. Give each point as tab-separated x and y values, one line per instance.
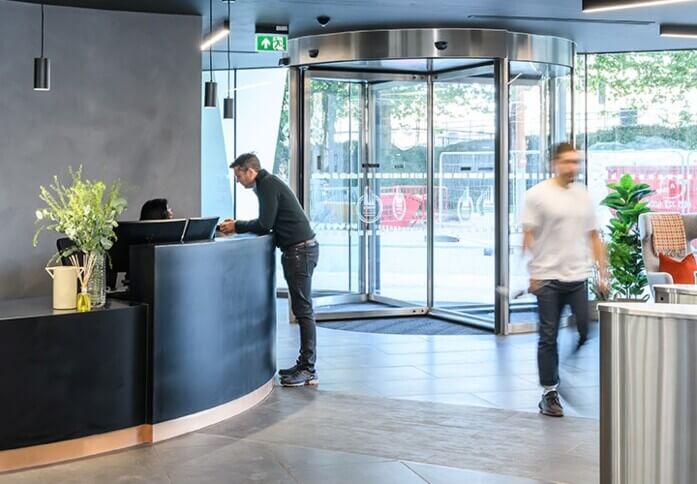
379	45
648	386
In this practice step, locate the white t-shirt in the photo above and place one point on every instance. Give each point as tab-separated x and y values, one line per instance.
561	220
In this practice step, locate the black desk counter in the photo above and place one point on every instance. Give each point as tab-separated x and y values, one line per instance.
213	312
196	346
67	375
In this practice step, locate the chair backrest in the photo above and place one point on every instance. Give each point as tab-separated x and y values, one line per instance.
646	231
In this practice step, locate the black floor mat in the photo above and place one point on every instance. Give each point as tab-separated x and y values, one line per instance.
411	325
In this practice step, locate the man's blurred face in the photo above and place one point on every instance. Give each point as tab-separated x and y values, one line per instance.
245	176
566	166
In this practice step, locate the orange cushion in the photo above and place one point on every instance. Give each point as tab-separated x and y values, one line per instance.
683	271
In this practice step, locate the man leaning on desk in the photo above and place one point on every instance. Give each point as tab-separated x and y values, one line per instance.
280	213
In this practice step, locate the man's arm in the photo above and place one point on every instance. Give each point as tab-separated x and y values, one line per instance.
268	209
527	240
599	257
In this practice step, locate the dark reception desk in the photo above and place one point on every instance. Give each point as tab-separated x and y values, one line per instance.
194	345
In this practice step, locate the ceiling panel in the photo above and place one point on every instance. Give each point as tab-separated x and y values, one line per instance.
625	30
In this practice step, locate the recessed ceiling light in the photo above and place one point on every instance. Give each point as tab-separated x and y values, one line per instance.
607	5
684	31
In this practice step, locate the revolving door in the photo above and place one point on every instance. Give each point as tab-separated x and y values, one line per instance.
411	151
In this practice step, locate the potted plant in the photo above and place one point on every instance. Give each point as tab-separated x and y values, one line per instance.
626	265
86	213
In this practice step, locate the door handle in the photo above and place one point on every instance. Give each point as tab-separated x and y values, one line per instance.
370	165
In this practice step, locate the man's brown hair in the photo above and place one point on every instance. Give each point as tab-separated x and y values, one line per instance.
562	148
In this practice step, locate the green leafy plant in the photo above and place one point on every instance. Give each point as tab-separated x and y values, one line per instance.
86	213
627	274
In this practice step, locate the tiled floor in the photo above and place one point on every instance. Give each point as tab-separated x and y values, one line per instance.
389	409
480	370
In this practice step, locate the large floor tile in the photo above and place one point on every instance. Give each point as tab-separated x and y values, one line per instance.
449	475
365	473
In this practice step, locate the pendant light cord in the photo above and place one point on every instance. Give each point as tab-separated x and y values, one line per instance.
42	30
210	49
228	50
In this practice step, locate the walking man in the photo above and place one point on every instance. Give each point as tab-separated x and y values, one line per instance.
560	234
281	214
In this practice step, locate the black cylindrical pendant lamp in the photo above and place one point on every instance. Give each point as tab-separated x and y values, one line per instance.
229	108
42	74
211	92
211	95
42	65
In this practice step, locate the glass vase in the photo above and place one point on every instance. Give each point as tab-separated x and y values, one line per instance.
96	287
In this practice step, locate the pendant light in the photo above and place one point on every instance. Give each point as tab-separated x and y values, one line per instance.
229	102
211	91
42	65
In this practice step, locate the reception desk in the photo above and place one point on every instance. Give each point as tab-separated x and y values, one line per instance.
193	345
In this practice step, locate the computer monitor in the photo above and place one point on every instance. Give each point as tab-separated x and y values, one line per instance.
143	232
200	228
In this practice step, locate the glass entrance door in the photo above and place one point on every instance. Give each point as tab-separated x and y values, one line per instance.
365	185
464	124
410	216
396	175
334	123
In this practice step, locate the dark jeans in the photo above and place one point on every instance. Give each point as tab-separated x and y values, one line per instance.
298	265
552	296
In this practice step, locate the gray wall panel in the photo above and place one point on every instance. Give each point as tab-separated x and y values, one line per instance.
124	103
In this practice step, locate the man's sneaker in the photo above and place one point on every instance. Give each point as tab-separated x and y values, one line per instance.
288	371
300	378
550	405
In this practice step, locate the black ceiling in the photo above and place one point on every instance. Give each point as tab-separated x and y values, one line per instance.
624	30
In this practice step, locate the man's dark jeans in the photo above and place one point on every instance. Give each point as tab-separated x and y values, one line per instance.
552	296
298	265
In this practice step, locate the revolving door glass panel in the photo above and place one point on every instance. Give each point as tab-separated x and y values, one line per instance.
539	117
334	136
396	175
365	170
464	211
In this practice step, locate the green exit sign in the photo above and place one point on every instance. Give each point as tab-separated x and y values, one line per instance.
272	43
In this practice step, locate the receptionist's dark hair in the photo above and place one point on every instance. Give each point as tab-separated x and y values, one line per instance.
155	209
247	160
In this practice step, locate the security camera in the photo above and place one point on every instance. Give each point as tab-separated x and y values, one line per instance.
323	20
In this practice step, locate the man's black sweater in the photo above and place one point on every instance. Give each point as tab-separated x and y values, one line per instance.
279	212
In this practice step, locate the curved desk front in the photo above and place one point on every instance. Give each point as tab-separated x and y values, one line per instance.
196	346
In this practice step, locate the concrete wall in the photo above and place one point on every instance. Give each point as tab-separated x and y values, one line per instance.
124	103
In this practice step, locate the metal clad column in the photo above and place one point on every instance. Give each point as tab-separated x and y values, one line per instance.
501	309
295	98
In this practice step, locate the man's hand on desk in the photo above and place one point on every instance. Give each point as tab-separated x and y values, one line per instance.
227	227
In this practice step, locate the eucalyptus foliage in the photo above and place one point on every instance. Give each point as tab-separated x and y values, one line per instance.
86	212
